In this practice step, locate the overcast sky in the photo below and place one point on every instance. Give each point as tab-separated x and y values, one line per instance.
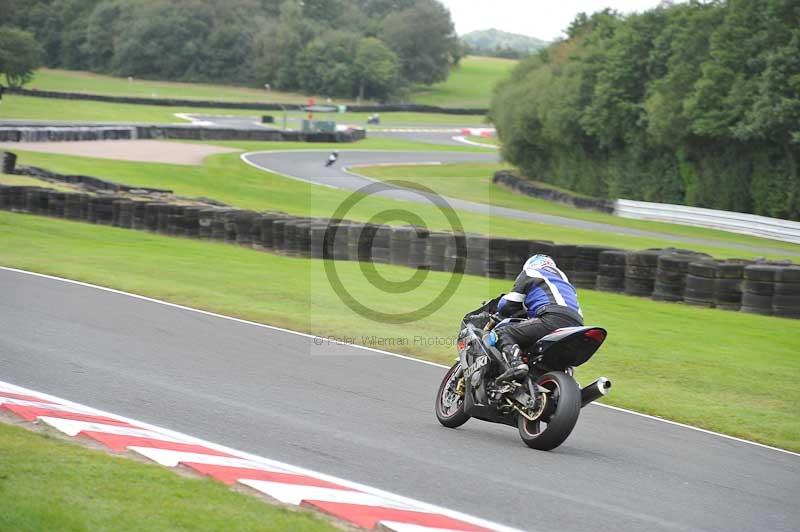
545	19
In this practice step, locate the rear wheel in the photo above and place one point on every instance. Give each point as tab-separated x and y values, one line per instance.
450	399
559	416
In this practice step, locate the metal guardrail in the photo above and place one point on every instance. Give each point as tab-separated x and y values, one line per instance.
737	222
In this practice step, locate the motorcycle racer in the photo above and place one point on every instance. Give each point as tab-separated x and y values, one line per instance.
549	302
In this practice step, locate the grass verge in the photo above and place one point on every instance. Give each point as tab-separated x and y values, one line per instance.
469	85
725	371
49	484
471	181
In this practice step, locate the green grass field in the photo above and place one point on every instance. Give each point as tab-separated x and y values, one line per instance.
47	79
49	484
472	181
14	107
250	188
469	85
725	371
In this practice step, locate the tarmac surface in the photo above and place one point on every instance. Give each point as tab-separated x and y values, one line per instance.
368	417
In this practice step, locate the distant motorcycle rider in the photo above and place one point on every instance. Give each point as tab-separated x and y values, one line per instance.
549	301
332	158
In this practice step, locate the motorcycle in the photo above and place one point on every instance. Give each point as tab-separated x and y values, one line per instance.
544	405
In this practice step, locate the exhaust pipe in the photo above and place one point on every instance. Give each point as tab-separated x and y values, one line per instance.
595	390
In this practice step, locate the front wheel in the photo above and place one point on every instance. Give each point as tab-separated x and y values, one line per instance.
450	399
560	413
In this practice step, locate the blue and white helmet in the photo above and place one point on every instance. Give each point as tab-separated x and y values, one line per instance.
540	262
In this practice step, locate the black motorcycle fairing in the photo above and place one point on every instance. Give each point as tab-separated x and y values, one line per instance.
570	346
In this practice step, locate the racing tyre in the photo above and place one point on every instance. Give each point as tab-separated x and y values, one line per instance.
559	417
449	405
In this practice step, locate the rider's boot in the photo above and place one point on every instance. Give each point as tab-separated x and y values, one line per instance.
515	367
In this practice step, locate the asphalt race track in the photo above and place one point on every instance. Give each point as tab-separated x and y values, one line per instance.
368	417
309	166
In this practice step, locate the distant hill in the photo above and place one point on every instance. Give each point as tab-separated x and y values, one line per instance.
501	43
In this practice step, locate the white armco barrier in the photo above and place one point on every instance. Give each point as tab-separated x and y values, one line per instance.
736	222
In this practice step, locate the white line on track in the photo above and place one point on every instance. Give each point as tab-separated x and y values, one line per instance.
365	348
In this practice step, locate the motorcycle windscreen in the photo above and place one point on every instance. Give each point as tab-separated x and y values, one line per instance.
571	346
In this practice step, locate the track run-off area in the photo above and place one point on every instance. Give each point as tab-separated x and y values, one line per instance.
309	166
367	416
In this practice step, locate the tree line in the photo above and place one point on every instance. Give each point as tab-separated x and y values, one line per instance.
374	49
695	103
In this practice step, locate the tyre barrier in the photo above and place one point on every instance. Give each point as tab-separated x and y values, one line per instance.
122	213
9	162
587	264
477	254
758	288
728	284
565	255
663	274
400	244
640	272
435	250
516	253
786	295
671	272
101	210
417	249
611	271
496	263
699	285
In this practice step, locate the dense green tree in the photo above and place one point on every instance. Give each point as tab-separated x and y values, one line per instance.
424	39
20	55
695	103
377	70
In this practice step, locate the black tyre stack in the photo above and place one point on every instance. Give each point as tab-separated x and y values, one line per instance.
498	252
55	204
565	256
611	271
587	265
355	250
16	198
138	210
435	251
75	206
9	162
316	233
243	226
671	273
700	279
205	219
400	244
191	221
340	249
382	245
456	253
640	272
101	210
303	237
477	255
122	213
278	234
417	248
516	253
365	242
36	200
266	230
758	288
728	284
786	298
